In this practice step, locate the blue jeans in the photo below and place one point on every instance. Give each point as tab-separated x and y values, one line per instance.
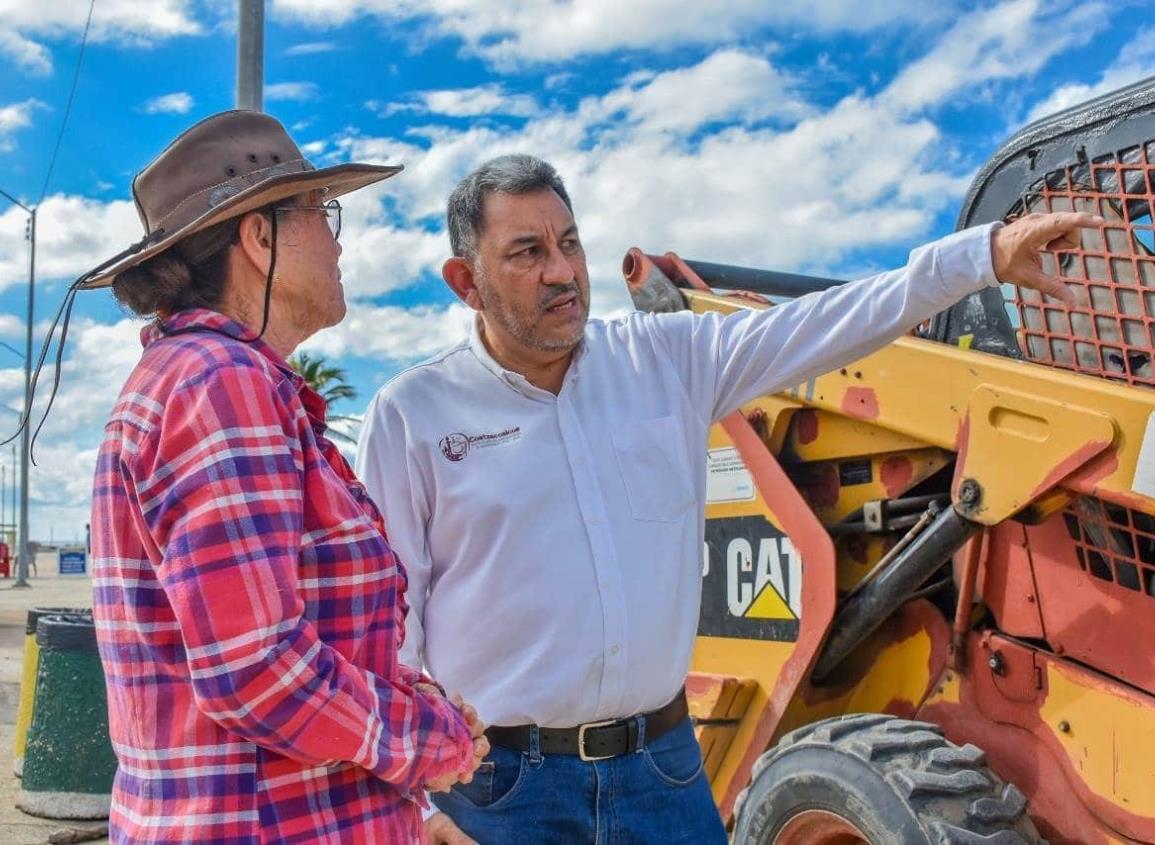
658	794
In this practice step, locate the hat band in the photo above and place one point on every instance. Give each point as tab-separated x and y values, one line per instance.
207	199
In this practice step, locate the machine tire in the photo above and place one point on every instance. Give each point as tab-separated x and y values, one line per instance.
895	780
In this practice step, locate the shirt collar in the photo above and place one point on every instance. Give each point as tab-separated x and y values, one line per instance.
511	377
205	320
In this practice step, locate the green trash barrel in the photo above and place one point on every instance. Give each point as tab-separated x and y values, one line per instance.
68	761
28	678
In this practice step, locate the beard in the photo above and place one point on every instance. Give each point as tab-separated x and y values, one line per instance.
523	324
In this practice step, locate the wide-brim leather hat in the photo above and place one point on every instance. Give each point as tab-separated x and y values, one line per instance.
227	165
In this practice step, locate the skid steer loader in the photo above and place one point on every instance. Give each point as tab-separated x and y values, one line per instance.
928	610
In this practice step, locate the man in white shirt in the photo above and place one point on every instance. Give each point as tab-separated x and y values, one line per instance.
544	483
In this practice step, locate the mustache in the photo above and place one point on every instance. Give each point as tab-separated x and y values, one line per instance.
554	294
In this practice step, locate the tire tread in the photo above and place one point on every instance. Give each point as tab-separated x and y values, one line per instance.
949	788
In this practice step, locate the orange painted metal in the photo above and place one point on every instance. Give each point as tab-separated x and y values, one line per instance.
1086	612
1006	583
677	269
1108	332
818	588
972	555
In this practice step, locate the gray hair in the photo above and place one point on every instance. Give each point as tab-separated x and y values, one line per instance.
510	174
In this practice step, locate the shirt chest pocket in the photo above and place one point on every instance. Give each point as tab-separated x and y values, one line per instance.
655	471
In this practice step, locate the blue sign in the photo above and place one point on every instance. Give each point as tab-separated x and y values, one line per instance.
73	563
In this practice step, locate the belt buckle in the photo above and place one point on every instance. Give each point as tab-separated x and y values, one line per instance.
582	740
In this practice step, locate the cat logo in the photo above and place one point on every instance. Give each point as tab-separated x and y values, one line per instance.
751	581
763	584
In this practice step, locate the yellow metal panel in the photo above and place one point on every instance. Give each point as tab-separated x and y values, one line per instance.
717	704
758	660
1003	424
843	437
1108	734
901	673
922	463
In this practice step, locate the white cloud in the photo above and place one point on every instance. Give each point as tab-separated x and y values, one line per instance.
1135	61
65	452
391	333
1006	41
179	102
11	327
25	54
73	234
724	159
296	91
14	117
546	30
729	85
806	189
473	102
113	20
311	48
463	102
117	21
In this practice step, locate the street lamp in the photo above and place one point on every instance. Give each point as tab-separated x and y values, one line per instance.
25	451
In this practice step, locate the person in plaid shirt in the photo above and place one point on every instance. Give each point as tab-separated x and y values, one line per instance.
249	608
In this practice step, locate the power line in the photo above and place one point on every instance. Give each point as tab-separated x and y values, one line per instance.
68	108
12	349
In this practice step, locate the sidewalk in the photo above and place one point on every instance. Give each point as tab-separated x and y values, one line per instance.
47	590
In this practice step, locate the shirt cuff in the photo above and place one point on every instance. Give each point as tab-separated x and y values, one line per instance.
965	262
988	264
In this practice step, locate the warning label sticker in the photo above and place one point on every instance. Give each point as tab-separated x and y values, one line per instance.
727	479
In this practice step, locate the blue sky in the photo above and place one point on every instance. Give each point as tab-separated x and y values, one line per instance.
826	136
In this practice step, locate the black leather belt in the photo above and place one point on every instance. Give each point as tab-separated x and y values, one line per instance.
595	740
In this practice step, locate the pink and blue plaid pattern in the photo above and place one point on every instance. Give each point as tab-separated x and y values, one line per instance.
249	611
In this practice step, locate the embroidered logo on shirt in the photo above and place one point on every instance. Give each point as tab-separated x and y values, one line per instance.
456	446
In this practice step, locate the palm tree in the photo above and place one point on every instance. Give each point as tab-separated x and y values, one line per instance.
329	381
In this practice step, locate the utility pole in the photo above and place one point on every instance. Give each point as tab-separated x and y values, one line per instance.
13	511
251	55
25	434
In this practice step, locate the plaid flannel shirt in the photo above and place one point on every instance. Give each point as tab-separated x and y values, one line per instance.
249	611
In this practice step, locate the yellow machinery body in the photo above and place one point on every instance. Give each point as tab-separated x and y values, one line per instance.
1035	639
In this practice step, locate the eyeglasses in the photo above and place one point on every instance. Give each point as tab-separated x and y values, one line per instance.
331	210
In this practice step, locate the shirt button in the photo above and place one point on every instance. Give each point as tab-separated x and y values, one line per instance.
615	648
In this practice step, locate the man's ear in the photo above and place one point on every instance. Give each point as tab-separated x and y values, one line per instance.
458	274
255	236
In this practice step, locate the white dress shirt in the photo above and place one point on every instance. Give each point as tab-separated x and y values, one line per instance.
554	543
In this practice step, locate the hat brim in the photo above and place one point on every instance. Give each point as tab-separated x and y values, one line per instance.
336	181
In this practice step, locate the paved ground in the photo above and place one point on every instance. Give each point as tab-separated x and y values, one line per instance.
16	828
